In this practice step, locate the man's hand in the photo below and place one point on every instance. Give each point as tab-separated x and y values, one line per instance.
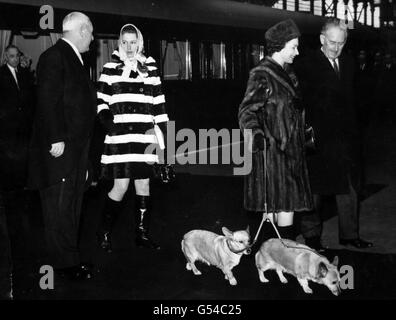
57	149
106	118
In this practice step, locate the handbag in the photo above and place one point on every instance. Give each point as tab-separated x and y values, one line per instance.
164	173
309	135
309	138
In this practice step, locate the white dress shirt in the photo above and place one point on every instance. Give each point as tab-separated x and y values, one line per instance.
333	62
12	69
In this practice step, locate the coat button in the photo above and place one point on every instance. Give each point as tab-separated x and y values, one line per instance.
130	128
141	89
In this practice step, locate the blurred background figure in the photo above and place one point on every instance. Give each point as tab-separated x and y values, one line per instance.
386	92
16	108
365	85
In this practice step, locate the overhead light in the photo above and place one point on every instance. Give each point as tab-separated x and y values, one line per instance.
29	34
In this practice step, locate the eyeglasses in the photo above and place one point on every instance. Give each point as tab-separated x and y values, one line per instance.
335	43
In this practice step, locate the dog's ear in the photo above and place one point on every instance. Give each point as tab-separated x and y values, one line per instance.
226	232
248	229
322	270
335	261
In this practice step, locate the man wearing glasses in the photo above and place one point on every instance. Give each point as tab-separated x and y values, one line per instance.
326	80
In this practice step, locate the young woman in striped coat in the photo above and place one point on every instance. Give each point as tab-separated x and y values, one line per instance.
130	103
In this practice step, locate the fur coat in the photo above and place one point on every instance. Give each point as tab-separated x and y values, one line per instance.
271	107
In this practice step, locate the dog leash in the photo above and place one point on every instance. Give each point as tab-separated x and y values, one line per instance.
265	213
238	251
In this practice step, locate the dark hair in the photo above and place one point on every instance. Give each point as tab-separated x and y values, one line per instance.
274	46
11	46
128	29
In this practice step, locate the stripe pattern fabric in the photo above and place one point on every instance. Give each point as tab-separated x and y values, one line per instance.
136	101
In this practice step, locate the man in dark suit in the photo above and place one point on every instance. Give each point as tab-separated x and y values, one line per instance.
327	83
62	130
16	104
15	94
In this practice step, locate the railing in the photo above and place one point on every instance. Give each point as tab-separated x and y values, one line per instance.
343	11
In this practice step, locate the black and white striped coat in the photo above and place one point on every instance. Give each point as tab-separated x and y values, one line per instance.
136	102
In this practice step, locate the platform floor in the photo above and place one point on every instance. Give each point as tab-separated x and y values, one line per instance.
206	198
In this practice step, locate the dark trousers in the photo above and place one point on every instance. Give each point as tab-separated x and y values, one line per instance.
5	254
348	216
61	205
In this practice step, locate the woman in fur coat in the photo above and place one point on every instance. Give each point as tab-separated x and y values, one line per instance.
274	117
130	103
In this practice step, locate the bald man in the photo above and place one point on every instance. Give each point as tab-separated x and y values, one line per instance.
61	135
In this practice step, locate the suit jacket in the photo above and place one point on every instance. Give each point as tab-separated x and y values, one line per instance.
15	103
329	103
66	109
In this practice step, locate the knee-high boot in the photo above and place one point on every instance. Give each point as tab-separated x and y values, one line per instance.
287	232
110	213
142	217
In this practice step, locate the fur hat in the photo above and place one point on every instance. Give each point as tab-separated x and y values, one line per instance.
282	32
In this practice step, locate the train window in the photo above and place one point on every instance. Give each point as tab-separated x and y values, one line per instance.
257	53
176	59
304	6
376	21
241	61
105	48
317	9
290	5
212	60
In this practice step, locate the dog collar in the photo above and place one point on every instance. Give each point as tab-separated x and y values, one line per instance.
233	251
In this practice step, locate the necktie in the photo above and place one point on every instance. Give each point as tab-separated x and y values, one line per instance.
335	66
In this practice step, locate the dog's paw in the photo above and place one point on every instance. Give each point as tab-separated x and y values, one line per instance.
233	282
308	290
284	280
197	272
262	277
188	266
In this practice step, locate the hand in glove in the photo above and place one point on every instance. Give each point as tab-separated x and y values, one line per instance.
106	119
259	141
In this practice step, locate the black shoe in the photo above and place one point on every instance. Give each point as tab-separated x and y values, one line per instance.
6	288
104	241
145	242
357	243
287	232
79	272
315	243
